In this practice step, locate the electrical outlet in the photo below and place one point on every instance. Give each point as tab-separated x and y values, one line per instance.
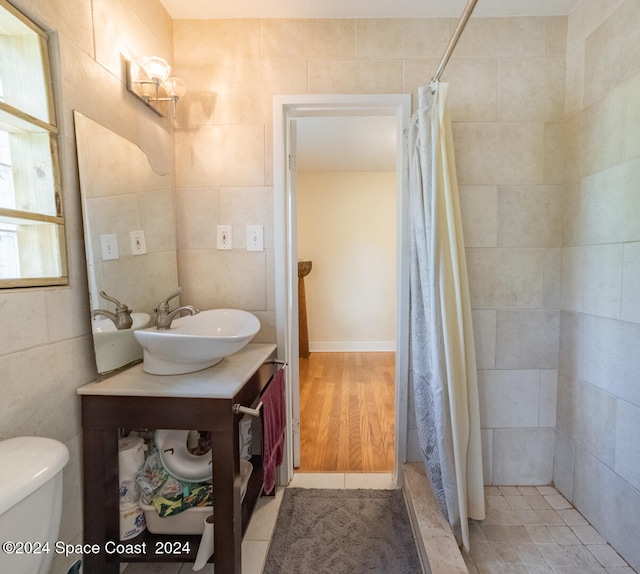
255	238
109	246
224	237
138	243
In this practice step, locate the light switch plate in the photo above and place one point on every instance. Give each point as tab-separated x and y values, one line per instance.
109	246
138	242
255	238
224	237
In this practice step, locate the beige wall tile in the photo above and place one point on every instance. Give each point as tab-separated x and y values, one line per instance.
574	81
505	278
119	31
473	92
206	41
355	77
531	89
237	91
548	398
197	215
401	38
599	210
241	286
557	36
631	283
509	398
479	211
217	156
627	454
26	312
609	357
612	52
484	333
307	39
592	279
586	415
632	122
529	216
563	458
552	284
503	38
499	153
523	456
527	339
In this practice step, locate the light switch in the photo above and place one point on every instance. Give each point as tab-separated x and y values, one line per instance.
138	243
109	246
255	238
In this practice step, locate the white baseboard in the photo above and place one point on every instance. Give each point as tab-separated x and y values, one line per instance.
352	346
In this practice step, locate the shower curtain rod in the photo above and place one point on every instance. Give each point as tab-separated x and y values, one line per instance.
468	10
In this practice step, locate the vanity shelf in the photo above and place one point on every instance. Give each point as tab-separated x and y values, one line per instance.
203	401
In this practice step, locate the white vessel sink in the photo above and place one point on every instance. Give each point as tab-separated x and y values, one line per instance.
114	348
196	342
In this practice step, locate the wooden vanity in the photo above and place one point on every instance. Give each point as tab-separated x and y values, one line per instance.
204	401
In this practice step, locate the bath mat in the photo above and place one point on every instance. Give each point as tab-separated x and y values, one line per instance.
342	532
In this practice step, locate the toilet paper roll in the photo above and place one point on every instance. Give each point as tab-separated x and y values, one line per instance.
205	550
130	456
132	521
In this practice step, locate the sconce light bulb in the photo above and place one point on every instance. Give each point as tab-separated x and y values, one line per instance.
156	68
175	88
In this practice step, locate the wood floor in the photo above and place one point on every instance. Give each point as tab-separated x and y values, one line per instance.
347	417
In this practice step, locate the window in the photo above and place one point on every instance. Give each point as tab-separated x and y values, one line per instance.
32	248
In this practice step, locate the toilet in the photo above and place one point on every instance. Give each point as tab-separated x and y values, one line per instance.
30	502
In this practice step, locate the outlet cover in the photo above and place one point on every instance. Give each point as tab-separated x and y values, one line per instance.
224	237
255	238
138	242
109	246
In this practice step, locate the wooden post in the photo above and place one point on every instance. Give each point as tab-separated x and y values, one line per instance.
304	268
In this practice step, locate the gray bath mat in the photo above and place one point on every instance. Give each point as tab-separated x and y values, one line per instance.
342	532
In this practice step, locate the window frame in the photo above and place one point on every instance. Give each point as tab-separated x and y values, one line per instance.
51	128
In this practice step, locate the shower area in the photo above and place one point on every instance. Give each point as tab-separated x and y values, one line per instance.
547	172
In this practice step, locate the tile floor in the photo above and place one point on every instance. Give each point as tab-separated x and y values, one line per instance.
256	539
534	530
528	530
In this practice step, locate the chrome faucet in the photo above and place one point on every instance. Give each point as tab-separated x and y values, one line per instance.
164	317
121	318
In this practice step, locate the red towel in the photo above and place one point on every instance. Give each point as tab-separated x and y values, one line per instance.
274	421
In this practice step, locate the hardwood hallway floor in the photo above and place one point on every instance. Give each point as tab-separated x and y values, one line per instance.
347	417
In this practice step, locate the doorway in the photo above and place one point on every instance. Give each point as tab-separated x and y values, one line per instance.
288	110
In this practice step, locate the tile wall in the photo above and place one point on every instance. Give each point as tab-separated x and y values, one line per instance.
506	96
597	460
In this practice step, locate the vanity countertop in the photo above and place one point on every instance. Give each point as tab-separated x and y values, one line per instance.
222	381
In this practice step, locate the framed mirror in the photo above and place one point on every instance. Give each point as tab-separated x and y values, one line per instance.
130	239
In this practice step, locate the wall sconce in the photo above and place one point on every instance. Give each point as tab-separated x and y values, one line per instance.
150	78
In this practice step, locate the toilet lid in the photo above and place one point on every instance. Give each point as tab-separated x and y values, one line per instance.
26	463
176	458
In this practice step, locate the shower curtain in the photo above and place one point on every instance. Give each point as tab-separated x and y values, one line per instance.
442	348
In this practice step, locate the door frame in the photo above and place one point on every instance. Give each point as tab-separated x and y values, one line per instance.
285	111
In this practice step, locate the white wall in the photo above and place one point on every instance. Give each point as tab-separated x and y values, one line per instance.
346	227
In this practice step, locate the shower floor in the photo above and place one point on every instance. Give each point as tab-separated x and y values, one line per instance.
535	530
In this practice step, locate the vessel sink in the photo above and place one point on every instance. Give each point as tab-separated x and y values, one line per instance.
196	342
114	348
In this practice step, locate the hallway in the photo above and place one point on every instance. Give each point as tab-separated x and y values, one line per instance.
347	417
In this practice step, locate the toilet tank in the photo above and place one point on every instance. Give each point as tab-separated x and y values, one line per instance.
30	501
